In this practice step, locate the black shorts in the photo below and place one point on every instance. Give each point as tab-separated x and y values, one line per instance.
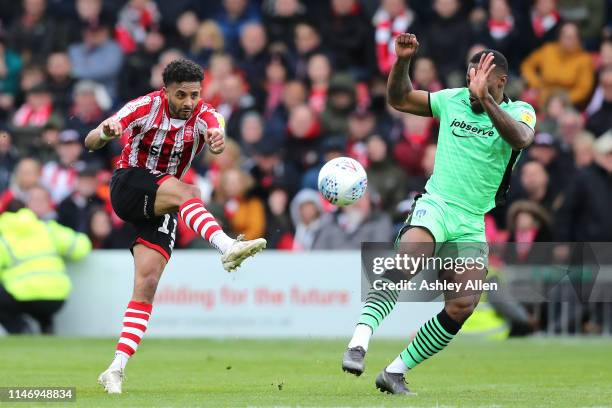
132	192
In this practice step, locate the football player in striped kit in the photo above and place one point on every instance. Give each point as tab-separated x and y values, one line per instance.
165	130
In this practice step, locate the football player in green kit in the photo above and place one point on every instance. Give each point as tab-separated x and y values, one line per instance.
482	133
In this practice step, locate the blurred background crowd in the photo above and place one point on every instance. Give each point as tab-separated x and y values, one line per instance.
299	83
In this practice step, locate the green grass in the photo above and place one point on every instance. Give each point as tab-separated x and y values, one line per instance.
239	373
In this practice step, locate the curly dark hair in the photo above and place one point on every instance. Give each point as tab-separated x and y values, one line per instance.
182	70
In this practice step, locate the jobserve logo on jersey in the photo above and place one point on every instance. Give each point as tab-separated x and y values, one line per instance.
461	128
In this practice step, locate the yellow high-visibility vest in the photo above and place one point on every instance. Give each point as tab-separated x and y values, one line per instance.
31	251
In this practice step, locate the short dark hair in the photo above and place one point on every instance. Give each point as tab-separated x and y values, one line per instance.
182	70
499	59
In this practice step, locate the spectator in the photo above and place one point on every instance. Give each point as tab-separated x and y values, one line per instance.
251	132
26	175
277	73
235	103
562	64
187	25
361	124
527	223
303	131
585	215
280	19
269	169
33	34
354	224
556	104
341	101
350	39
156	80
391	19
59	71
34	281
447	40
98	57
331	147
136	19
415	137
10	68
37	109
583	150
39	201
306	213
220	67
8	159
307	43
44	147
545	22
571	124
535	187
425	76
279	231
601	120
502	32
558	164
319	74
60	177
294	94
135	76
232	18
99	228
254	56
384	176
246	214
588	15
75	210
207	40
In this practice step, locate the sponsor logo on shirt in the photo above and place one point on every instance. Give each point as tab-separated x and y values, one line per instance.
461	128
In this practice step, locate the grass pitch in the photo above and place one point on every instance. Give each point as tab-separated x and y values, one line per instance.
256	373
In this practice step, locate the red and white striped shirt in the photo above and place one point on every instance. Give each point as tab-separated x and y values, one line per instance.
157	142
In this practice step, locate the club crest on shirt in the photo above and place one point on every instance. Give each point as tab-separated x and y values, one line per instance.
188	134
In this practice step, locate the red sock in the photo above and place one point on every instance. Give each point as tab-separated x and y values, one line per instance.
135	323
198	219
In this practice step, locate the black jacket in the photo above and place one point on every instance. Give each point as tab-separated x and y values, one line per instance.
585	214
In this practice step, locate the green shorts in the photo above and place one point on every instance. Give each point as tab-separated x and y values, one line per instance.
449	224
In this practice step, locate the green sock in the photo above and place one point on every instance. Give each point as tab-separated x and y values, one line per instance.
431	338
378	305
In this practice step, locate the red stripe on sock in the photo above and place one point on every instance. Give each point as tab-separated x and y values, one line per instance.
135	325
211	231
125	348
195	213
145	307
131	336
190	201
138	315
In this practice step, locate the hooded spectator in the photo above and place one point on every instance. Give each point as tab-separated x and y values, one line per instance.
306	213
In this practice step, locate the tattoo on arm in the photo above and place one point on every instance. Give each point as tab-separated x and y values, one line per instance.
399	84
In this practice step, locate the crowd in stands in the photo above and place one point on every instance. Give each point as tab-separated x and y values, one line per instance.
299	83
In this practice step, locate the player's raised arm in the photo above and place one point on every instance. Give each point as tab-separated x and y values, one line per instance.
517	134
400	94
106	131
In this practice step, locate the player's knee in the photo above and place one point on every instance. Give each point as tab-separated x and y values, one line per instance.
188	192
460	309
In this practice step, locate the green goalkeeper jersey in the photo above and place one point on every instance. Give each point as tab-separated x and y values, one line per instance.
473	163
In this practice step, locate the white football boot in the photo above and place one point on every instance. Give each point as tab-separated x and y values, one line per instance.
111	380
241	250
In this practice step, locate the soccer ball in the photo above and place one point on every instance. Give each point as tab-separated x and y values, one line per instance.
342	181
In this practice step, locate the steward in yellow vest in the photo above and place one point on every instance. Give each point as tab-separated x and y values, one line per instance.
33	277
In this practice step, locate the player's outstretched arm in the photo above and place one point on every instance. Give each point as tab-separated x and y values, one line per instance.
100	136
400	93
517	134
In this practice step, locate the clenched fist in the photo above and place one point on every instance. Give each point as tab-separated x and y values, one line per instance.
111	129
406	45
216	140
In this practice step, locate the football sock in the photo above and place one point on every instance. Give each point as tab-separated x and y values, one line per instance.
361	336
431	338
378	305
199	220
135	323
